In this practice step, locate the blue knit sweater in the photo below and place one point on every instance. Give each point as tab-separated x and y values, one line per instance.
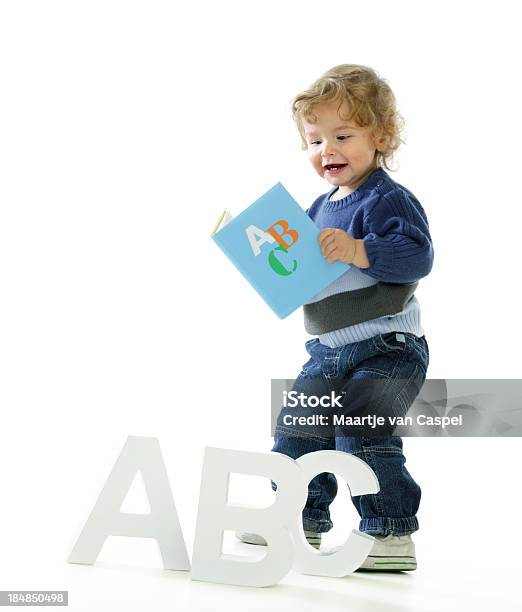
365	302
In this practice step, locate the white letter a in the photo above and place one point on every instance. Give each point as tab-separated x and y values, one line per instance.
252	231
162	524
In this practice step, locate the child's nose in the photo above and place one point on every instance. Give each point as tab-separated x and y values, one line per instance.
328	149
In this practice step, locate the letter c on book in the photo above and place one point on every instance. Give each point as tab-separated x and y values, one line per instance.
276	264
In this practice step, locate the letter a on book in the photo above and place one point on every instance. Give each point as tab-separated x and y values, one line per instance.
257	238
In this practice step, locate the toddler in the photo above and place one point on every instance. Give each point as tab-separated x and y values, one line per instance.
367	323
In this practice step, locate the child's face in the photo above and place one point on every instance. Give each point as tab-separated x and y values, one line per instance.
340	151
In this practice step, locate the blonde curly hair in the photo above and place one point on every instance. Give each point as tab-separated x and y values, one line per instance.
370	100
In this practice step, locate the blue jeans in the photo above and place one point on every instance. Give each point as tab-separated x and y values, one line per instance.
381	375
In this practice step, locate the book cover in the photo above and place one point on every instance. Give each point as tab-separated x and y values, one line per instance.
274	244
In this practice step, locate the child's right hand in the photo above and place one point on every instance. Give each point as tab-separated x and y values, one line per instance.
338	245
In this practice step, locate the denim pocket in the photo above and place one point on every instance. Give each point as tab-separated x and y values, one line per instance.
392	341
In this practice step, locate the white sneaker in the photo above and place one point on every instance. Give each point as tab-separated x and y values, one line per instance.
391	554
314	539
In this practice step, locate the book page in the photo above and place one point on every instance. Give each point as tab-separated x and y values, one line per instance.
225	218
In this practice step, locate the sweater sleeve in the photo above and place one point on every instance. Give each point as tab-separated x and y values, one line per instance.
398	242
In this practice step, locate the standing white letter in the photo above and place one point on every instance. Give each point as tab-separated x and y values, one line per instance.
215	516
162	524
362	480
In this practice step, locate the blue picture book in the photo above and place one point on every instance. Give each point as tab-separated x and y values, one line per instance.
275	246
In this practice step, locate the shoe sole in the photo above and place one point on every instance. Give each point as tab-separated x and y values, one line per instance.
371	563
389	564
253	538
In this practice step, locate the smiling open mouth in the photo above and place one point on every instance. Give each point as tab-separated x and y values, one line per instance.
334	167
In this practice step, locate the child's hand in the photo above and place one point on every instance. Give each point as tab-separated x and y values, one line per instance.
338	245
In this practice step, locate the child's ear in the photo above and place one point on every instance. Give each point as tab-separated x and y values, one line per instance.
381	141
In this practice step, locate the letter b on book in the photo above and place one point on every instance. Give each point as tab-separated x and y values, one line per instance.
286	232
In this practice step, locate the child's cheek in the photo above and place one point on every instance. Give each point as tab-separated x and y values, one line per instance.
318	166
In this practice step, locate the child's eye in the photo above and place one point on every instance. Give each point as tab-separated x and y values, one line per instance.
315	142
343	137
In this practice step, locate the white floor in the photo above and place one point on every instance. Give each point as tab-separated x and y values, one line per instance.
437	585
127	577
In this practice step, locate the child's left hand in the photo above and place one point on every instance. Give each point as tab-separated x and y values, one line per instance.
338	245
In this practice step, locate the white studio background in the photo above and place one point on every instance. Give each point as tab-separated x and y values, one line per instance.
125	129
